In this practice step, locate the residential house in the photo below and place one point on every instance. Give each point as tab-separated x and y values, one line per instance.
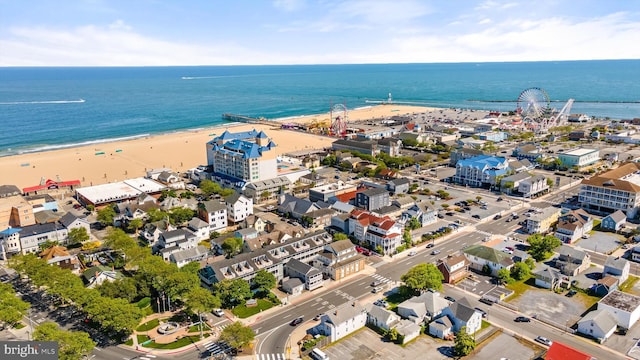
96	275
616	189
454	268
313	179
32	236
404	202
376	231
617	267
213	213
59	256
533	186
606	285
372	199
550	278
70	221
425	213
151	231
238	207
184	256
635	253
560	351
292	286
340	223
320	218
541	220
598	324
390	146
255	221
342	321
340	259
381	317
480	255
171	180
309	275
398	186
172	241
461	314
427	306
271	257
480	171
511	183
573	225
200	228
442	328
295	207
623	306
614	221
528	151
572	261
246	234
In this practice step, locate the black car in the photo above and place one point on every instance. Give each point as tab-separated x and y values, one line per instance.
571	293
522	319
476	216
450	298
498	216
296	321
429	245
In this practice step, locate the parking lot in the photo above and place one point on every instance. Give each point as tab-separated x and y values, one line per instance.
505	346
550	307
602	242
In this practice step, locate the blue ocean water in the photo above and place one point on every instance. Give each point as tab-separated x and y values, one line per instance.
45	108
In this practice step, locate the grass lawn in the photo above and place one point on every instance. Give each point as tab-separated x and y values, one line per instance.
142	338
196	328
628	284
520	287
484	325
187	340
396	298
148	325
244	312
129	342
19	326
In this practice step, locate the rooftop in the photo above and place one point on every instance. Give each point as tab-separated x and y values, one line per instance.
623	301
580	152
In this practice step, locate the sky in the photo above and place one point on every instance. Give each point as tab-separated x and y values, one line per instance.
269	32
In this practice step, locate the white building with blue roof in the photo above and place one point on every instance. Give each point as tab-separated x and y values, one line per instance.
242	157
480	171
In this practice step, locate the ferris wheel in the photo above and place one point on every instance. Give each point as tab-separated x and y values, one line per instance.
339	116
533	102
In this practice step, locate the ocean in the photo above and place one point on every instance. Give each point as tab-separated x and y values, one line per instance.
49	108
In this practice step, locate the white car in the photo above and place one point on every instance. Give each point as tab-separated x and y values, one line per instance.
412	252
218	312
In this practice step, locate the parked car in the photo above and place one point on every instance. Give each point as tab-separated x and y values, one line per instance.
297	321
381	303
571	293
476	216
435	252
484	313
218	312
522	319
543	340
497	217
499	199
376	283
430	245
377	289
450	298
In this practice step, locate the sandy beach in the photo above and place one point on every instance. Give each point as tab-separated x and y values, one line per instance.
180	151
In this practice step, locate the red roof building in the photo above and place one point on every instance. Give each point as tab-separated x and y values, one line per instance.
50	185
560	351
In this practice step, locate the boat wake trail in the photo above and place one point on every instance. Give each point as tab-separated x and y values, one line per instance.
43	102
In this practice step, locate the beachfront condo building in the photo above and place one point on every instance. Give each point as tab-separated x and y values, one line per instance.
242	157
617	189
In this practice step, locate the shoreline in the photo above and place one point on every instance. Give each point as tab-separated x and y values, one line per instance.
110	161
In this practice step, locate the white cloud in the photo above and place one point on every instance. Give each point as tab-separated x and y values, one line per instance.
484	21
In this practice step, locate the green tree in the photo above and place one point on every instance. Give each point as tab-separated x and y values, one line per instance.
78	235
264	281
181	215
237	335
232	292
406	237
122	288
414	223
541	247
504	276
72	345
478	198
393	334
105	215
199	300
339	236
117	239
530	263
330	160
135	225
549	182
422	277
12	308
464	343
157	215
520	271
232	246
192	267
209	187
442	194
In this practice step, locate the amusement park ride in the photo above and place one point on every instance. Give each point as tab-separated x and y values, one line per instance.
339	116
533	105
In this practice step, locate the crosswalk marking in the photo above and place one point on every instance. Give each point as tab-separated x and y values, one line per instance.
143	358
279	356
381	278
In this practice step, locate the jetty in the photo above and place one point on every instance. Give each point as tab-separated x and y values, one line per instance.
247	119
